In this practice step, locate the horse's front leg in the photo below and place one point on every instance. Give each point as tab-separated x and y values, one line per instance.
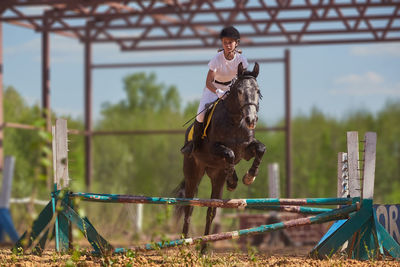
255	149
228	155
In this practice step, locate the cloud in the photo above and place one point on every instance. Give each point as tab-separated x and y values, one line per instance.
376	50
31	100
31	46
369	83
65	49
368	77
68	111
111	52
62	49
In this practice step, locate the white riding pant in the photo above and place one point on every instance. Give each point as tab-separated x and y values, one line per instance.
208	97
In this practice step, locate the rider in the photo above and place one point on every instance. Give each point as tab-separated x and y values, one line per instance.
222	69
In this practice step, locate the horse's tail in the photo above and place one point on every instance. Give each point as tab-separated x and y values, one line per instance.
179	192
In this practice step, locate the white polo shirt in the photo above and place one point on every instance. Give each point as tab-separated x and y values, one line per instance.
225	70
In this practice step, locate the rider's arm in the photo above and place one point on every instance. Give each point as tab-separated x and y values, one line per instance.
210	80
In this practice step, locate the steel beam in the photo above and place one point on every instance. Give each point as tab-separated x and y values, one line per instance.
174	63
264	44
46	112
88	112
128	25
1	100
249	35
288	125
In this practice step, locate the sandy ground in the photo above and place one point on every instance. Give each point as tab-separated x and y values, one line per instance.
187	256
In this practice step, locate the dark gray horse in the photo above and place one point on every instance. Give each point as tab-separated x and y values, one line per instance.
230	138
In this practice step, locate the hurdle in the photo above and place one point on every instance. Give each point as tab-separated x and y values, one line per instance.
355	219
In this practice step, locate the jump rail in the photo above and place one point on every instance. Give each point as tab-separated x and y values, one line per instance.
356	223
218	203
320	218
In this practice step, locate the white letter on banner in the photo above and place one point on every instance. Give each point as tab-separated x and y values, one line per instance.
381	210
394	213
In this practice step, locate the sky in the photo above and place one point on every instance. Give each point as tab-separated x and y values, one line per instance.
335	79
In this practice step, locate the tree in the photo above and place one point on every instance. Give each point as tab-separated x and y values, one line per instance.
142	164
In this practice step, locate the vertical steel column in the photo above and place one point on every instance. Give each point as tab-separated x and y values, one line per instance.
46	112
46	76
88	109
288	127
1	99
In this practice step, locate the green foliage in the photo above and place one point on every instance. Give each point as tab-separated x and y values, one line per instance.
26	146
152	164
134	159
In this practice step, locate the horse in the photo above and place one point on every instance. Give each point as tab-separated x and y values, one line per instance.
230	138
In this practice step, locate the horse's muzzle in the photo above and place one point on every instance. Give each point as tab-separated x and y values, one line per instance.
251	122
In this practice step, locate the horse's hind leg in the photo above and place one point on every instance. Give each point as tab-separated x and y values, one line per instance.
255	149
193	174
217	183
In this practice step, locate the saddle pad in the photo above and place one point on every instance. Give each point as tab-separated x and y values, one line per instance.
210	114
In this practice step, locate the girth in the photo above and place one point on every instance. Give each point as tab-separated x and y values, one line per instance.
223	83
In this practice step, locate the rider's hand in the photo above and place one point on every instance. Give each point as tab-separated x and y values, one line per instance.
220	93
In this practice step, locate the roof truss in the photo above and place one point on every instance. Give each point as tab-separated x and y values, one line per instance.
177	24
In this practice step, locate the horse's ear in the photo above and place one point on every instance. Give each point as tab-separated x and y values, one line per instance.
240	69
256	70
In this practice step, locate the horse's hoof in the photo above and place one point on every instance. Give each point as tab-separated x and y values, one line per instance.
248	179
231	186
204	249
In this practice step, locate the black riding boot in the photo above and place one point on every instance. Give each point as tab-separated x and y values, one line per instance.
197	133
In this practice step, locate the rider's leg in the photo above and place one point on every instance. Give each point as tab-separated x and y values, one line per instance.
198	128
194	144
198	125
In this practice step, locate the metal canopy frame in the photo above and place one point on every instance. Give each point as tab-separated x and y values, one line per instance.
158	25
150	24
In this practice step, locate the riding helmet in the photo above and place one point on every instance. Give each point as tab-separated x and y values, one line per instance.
230	32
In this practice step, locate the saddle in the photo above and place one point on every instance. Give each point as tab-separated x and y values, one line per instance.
207	119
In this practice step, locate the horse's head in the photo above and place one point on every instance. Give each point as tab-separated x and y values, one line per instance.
247	93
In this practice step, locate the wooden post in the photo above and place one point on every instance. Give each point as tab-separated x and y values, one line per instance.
343	176
63	236
5	196
273	179
353	164
61	155
6	222
369	165
53	146
139	218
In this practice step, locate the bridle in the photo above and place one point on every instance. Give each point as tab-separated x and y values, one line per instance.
249	103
